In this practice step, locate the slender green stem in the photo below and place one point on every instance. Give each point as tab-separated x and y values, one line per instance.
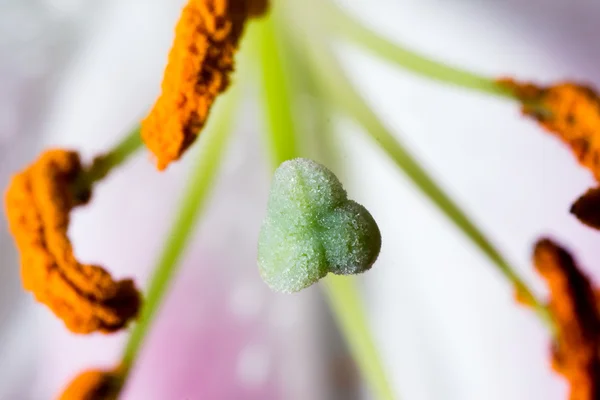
276	95
347	27
103	164
212	144
345	301
341	93
282	138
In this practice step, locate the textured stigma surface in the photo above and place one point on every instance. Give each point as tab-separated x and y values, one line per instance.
311	228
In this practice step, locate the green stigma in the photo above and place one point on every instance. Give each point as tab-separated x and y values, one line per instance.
311	229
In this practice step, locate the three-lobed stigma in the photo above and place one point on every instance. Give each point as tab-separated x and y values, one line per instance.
312	229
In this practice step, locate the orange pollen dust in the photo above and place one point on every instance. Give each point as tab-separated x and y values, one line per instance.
200	62
38	202
570	111
93	385
574	308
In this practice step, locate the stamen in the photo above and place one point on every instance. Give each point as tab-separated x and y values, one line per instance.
38	203
587	208
200	63
569	110
573	305
93	384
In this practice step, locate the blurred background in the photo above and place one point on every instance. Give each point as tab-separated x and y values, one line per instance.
79	74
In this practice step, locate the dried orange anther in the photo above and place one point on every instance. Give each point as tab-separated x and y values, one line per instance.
93	385
570	111
200	62
257	8
573	305
38	203
587	208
